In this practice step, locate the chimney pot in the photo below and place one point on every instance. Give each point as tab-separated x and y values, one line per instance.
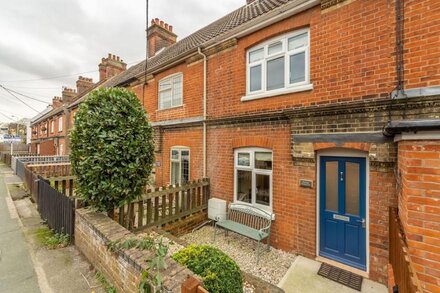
109	69
170	28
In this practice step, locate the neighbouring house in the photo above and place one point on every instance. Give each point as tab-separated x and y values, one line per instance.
324	112
51	127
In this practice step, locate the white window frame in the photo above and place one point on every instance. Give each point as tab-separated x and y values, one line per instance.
251	152
171	78
60	124
180	149
288	87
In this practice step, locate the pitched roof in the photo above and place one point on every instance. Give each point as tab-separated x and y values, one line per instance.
212	31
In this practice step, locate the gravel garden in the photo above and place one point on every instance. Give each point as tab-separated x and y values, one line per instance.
272	266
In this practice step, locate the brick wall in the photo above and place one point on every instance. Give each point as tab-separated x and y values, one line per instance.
419	198
123	269
192	93
191	138
422	43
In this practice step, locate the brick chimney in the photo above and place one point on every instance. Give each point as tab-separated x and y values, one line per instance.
160	35
57	102
111	66
68	95
83	84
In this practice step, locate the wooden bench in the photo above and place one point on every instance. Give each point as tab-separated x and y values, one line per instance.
248	221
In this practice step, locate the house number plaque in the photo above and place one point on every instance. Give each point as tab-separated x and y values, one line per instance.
306	183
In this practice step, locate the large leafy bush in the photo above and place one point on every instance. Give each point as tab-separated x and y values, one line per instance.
112	148
220	274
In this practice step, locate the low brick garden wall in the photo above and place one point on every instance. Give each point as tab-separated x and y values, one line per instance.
123	269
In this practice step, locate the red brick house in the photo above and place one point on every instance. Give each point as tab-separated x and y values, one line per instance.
51	127
323	112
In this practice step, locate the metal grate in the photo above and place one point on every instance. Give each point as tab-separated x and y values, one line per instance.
341	276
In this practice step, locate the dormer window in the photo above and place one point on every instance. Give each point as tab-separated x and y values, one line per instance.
171	91
279	66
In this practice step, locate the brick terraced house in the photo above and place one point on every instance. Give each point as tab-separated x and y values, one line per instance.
324	112
51	127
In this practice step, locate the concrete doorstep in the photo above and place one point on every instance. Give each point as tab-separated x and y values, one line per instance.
303	277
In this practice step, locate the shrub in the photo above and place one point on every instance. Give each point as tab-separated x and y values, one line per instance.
220	274
112	148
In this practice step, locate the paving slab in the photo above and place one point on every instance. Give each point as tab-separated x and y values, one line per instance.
17	273
303	277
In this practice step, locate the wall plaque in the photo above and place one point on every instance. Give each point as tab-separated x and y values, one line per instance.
306	183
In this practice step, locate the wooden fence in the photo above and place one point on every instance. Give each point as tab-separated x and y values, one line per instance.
404	274
165	205
58	210
48	170
63	184
6	147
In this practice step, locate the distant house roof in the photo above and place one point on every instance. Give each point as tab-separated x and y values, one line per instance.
250	14
212	33
38	117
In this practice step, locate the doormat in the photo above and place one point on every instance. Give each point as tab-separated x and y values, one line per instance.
341	276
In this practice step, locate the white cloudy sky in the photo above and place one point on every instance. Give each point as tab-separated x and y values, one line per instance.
53	38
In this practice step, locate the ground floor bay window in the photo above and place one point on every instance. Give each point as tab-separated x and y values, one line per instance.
253	177
179	170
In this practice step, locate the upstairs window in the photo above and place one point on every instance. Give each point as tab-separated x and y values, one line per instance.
279	65
60	124
171	91
52	126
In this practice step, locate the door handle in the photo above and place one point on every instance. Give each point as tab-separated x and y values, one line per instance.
342	176
363	222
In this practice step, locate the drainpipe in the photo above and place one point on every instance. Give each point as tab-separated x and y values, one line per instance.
204	108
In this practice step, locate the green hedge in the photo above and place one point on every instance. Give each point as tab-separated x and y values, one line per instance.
112	148
220	274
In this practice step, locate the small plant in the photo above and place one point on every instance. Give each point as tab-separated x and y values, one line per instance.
220	274
155	265
103	281
50	239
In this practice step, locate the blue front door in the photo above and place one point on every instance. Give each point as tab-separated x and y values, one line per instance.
342	210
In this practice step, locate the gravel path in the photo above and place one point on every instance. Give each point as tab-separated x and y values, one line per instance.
272	267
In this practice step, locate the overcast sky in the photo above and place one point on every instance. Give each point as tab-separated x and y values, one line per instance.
53	38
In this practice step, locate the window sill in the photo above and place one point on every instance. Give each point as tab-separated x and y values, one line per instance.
267	209
301	88
171	108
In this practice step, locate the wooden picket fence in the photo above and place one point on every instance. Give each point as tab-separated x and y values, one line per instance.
165	205
404	274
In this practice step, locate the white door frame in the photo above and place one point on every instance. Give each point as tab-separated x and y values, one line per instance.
342	152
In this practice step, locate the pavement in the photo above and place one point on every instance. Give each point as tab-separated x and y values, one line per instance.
17	273
303	277
25	264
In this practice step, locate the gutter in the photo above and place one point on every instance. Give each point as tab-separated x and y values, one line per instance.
204	109
258	23
399	126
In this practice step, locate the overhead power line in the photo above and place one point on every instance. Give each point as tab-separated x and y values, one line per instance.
23	102
6	116
59	76
23	95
